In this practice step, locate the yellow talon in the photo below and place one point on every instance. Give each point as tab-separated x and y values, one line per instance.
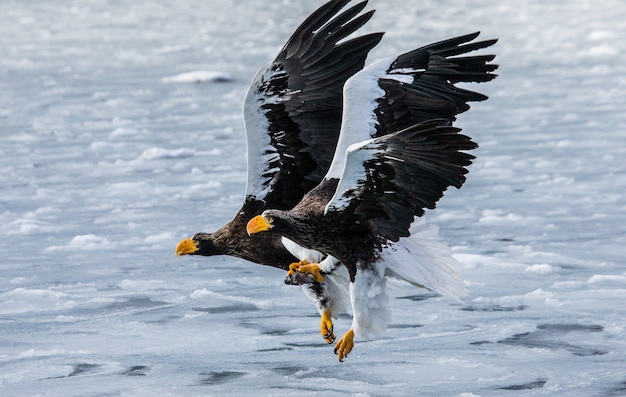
326	327
345	345
313	269
293	268
305	267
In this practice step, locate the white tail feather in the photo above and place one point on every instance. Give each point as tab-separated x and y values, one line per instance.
422	261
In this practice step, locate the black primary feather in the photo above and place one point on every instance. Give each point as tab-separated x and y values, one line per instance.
435	70
302	99
409	173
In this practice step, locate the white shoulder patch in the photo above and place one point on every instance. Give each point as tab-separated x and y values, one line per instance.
359	122
353	175
260	151
358	126
303	254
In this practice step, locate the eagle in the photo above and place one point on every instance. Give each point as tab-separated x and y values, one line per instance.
398	152
296	109
292	114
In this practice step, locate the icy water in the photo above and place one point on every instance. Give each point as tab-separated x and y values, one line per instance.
108	157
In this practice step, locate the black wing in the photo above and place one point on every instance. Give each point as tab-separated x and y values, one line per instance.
435	69
396	93
397	153
294	106
391	179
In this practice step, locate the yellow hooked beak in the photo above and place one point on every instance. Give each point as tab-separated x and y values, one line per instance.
258	224
186	247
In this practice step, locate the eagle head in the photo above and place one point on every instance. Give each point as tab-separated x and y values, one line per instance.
199	244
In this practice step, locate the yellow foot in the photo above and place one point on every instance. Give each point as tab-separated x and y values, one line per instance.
345	345
293	268
326	327
305	267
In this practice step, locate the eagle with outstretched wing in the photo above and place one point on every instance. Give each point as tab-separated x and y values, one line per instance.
292	117
397	153
302	113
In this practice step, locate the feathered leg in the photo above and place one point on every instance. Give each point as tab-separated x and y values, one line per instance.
370	314
330	297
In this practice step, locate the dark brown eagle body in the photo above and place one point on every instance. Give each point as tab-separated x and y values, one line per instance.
293	118
305	224
232	240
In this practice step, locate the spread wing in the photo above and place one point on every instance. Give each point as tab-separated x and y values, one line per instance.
294	105
396	93
398	151
390	179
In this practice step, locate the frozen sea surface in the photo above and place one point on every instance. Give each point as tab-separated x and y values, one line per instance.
109	154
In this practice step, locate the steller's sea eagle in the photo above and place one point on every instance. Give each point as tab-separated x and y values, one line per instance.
293	117
397	154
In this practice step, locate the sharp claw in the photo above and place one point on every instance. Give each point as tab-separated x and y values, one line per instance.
345	345
293	268
313	269
329	337
304	267
326	327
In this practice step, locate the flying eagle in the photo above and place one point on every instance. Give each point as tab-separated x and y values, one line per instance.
397	154
293	114
293	117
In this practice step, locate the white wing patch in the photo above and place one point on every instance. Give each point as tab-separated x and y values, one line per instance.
260	151
303	254
358	123
358	126
353	175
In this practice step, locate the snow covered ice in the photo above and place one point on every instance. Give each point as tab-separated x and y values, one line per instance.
109	156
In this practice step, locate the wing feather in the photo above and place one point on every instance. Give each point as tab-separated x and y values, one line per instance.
294	105
389	180
396	93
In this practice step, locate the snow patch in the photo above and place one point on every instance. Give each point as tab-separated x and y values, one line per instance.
199	76
600	35
161	153
141	285
21	300
84	242
544	296
607	278
160	238
498	217
122	132
600	51
27	226
540	269
472	261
